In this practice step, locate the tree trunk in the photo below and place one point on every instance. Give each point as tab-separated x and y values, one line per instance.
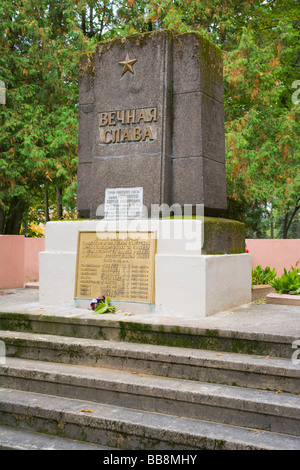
46	205
272	229
83	22
91	22
59	210
2	220
285	226
14	219
288	220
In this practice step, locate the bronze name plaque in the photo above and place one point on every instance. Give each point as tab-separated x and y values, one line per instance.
119	265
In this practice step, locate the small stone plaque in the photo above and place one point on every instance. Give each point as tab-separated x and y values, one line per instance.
123	203
119	265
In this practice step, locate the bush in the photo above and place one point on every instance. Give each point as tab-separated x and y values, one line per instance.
262	276
288	283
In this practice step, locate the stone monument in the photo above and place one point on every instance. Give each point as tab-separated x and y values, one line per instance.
151	145
151	115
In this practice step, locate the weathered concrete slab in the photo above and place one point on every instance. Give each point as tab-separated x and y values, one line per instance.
244	370
21	439
260	292
252	328
251	318
193	396
183	398
130	429
283	299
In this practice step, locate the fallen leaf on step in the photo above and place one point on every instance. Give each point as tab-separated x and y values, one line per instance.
256	431
120	311
279	391
219	354
86	411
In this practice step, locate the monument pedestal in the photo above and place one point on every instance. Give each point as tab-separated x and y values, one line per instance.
151	131
188	280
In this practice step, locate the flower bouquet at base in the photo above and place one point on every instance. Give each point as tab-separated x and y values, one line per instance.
101	305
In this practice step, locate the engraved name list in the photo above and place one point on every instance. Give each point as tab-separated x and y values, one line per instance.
119	265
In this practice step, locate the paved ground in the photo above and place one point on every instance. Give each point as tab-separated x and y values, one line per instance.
251	318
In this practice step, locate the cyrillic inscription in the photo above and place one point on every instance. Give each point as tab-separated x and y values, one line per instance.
123	203
117	265
129	125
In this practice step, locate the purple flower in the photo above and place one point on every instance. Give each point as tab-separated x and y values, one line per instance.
97	301
93	304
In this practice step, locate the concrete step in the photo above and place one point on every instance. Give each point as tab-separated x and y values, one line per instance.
130	429
87	325
270	411
259	372
22	439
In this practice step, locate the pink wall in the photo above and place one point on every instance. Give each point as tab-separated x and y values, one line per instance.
19	257
11	261
277	254
19	260
31	258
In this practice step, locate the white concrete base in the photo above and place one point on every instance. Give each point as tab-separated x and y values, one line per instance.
202	285
57	277
186	282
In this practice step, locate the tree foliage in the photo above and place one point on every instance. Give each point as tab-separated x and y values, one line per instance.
40	45
262	131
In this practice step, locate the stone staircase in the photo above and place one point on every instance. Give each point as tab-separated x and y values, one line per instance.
73	383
